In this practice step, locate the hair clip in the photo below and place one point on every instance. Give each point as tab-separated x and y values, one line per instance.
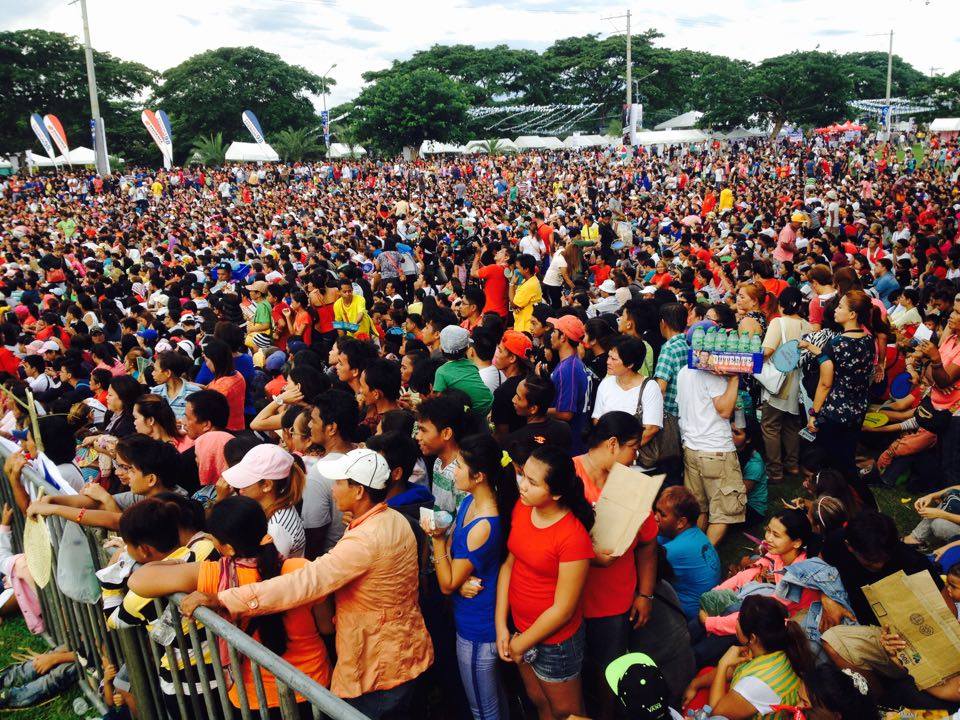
505	459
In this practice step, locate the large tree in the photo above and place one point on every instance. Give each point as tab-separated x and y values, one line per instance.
404	109
45	72
804	88
868	72
720	92
208	93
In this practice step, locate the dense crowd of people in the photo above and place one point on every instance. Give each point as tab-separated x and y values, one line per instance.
366	410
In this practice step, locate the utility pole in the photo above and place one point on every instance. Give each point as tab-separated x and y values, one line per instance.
889	78
99	134
629	77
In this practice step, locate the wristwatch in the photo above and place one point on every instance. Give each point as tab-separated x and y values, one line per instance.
278	400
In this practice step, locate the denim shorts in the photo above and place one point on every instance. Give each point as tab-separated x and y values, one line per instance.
559	662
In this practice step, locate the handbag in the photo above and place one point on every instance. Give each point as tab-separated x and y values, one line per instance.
665	444
769	377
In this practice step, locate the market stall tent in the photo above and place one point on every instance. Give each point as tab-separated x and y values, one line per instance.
35	160
78	156
251	152
433	147
681	122
531	142
946	128
671	137
342	150
585	141
479	146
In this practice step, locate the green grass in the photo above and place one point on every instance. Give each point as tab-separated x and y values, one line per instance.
15	638
918	153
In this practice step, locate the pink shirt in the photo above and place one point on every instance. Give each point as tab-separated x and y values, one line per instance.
786	244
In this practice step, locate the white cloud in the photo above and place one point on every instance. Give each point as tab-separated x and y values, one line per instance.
368	34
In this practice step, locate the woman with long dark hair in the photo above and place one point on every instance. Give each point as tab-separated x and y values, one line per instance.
468	563
846	370
541	582
248	555
123	393
765	669
226	380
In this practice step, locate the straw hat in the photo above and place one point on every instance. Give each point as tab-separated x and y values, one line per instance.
38	551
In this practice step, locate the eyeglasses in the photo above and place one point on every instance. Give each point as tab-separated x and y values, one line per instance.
121	467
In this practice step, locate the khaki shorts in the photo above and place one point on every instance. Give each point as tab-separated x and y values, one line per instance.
860	646
715	480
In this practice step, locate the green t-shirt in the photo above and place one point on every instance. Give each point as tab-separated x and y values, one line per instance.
463	375
263	315
68	227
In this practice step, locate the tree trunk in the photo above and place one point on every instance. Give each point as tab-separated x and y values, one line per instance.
777	127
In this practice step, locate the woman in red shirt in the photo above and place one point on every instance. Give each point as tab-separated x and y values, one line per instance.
541	582
612	600
226	380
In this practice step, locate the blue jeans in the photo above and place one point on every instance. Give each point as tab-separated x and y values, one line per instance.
481	681
21	686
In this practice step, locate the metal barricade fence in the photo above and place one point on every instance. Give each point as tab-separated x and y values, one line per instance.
83	628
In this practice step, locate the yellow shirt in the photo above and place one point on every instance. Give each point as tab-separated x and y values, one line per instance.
726	199
156	188
526	296
590	232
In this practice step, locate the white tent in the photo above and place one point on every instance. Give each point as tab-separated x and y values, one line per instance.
739	133
78	156
479	146
251	152
342	150
583	141
686	120
670	137
432	147
39	160
945	125
5	164
529	142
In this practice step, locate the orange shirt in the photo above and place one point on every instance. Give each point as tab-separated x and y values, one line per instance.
610	590
233	388
305	648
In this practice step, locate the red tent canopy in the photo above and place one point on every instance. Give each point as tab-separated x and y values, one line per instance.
847	126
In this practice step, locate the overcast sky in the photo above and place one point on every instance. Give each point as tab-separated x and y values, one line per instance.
360	35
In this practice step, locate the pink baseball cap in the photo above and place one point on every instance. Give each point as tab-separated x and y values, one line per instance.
262	462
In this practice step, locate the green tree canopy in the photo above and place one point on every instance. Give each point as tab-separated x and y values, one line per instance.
405	109
209	92
296	145
45	72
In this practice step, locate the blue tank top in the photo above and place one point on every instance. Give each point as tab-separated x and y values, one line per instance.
474	616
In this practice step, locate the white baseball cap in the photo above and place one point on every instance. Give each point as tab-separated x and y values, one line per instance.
262	462
361	465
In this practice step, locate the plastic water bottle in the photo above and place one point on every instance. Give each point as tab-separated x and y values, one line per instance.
733	341
80	706
164	630
746	339
710	339
698	339
756	344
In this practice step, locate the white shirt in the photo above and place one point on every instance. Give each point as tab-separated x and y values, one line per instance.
286	529
552	275
701	426
610	397
531	245
492	377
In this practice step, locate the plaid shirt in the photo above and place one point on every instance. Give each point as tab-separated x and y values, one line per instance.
673	357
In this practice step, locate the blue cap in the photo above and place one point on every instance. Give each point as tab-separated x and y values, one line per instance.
148	334
275	362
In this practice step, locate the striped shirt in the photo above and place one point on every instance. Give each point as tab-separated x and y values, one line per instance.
286	528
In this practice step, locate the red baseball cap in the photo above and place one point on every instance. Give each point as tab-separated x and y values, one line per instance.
569	325
517	343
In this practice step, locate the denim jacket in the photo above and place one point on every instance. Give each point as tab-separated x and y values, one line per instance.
813	574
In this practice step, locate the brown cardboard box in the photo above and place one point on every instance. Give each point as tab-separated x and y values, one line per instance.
625	502
912	606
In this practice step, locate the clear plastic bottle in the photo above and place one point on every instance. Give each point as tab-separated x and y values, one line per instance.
733	341
746	339
698	339
756	344
710	340
164	630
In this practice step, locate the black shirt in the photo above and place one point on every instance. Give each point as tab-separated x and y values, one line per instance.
549	432
854	576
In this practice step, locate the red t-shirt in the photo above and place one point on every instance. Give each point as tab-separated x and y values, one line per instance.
610	590
495	289
545	232
280	332
233	388
537	554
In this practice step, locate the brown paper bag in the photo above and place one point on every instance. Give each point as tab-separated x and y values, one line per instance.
624	504
912	606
